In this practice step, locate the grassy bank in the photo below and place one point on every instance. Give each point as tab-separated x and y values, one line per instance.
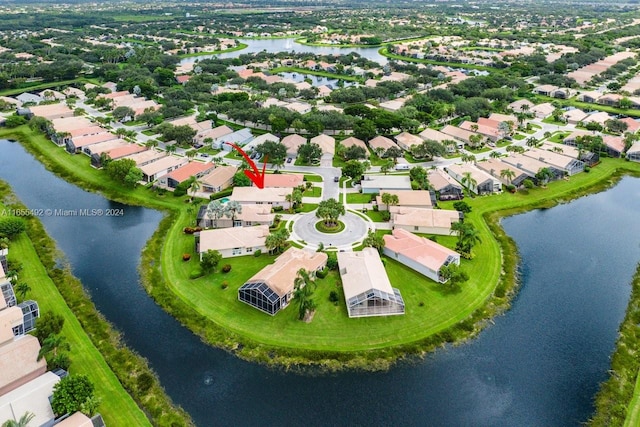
331	341
384	52
618	400
96	348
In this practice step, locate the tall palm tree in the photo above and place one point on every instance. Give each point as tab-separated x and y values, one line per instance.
233	208
52	344
196	185
467	235
22	289
507	174
468	182
494	154
171	148
304	286
215	211
24	421
390	199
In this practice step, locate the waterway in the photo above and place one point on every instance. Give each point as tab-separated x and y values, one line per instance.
289	45
539	365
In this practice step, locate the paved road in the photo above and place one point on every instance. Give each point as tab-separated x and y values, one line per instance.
304	229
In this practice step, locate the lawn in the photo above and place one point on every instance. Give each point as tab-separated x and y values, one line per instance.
117	407
313	178
558	137
313	192
376	216
360	198
519	136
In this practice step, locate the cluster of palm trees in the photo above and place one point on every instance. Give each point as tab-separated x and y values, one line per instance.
304	285
467	235
216	210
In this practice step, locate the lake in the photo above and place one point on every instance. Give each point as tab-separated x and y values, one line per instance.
539	365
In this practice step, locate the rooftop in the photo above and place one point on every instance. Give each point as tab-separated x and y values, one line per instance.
362	271
421	250
235	237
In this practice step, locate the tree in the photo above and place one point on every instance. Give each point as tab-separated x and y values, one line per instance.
354	152
494	154
329	211
390	199
304	286
353	169
419	175
52	345
49	323
14	121
296	196
277	240
393	153
428	149
70	393
215	210
461	206
374	240
209	260
468	182
544	175
616	126
23	289
150	117
467	235
364	129
453	275
507	174
309	152
241	180
121	113
23	421
183	134
134	176
195	187
12	226
275	151
386	166
233	208
119	169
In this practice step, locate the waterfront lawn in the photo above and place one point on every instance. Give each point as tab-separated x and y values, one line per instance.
117	407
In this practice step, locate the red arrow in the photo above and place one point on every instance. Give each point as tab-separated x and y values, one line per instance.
255	176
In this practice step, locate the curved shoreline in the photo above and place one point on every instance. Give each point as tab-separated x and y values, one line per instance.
377	357
214	52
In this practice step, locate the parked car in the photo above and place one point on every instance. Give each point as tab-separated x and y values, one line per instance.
289	160
336	179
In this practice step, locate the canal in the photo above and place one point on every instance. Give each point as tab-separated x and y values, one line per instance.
539	365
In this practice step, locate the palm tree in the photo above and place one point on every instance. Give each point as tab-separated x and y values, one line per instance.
233	208
191	154
467	235
22	289
24	421
544	175
468	182
276	241
304	286
52	344
289	198
507	174
215	211
196	185
390	199
494	154
171	148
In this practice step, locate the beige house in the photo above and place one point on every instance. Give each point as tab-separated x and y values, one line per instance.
283	180
161	167
233	241
367	289
559	161
381	143
422	255
405	140
261	196
147	157
351	141
426	221
218	179
292	143
409	198
249	216
271	289
52	111
482	182
327	144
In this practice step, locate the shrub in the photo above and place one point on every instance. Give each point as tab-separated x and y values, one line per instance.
226	268
196	273
12	226
144	382
528	184
333	297
278	208
186	257
461	206
332	262
587	169
257	253
321	274
421	304
189	230
386	215
224	285
510	188
375	208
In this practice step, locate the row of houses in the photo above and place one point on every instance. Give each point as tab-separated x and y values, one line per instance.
25	383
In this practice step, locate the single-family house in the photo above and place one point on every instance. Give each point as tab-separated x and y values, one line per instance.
574	116
633	153
546	90
497	168
292	143
367	289
614	145
52	111
632	124
542	111
218	179
446	188
427	221
587	157
27	97
116	154
410	198
103	147
480	182
76	145
154	170
146	157
521	106
422	255
599	117
532	166
612	99
351	141
380	144
489	131
258	140
442	138
572	138
559	161
261	196
327	145
271	289
459	134
589	96
183	173
249	215
376	184
232	241
240	138
283	180
405	140
213	134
